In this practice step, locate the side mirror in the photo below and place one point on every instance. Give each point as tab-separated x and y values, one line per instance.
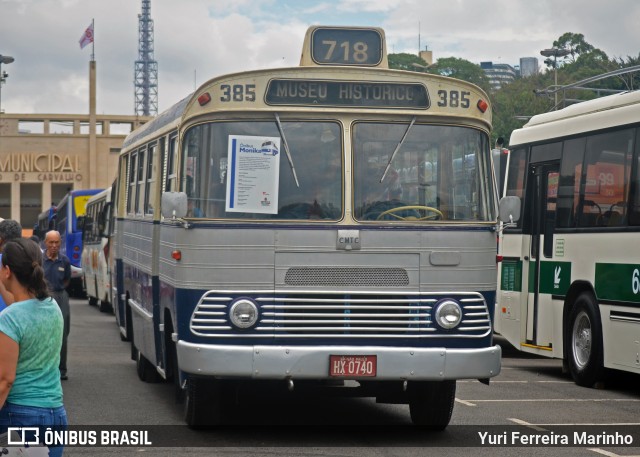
509	209
174	205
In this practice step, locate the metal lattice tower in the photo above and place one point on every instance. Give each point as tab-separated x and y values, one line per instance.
146	69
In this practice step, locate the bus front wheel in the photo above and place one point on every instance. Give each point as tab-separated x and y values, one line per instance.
203	403
585	342
431	403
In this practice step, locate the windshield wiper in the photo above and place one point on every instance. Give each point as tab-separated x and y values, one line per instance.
404	137
286	149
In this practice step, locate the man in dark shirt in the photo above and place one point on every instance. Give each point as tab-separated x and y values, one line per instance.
57	272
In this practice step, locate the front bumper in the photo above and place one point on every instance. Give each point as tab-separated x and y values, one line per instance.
76	272
312	362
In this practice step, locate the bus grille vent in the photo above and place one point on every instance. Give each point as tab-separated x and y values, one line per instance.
340	315
349	277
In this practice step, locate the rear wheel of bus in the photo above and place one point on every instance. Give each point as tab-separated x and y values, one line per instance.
585	341
104	306
431	403
146	370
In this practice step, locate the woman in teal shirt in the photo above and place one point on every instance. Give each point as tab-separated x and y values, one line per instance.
30	340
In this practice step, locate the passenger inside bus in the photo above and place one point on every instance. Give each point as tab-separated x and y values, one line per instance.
382	198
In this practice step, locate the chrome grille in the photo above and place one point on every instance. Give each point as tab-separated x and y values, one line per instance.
346	277
332	315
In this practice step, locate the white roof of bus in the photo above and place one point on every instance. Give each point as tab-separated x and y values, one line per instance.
106	193
597	114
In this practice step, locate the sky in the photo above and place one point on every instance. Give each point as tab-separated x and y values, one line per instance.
196	40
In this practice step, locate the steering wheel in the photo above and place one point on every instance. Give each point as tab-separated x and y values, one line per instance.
391	212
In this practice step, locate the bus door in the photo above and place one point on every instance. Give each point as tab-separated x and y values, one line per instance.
537	256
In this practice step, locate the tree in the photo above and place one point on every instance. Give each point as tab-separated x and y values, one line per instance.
461	69
629	81
574	43
449	66
405	61
514	103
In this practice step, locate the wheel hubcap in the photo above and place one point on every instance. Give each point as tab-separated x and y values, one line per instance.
581	339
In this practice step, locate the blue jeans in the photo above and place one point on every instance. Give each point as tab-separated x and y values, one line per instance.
12	415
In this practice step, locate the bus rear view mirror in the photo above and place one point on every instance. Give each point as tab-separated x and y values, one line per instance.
509	209
174	204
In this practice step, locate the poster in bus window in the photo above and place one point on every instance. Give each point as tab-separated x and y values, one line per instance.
253	174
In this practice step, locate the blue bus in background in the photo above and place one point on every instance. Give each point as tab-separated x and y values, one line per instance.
69	220
46	221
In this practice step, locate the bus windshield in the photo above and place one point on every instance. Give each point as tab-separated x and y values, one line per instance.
316	151
438	173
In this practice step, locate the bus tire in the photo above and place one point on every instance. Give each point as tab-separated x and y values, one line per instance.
203	403
585	352
145	369
93	301
104	307
431	403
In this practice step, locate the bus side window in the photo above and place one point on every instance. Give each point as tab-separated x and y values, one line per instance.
607	171
634	202
569	182
131	194
170	185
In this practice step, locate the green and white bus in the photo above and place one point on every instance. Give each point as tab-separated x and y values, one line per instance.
569	285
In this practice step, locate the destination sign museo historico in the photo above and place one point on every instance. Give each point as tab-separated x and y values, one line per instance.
345	94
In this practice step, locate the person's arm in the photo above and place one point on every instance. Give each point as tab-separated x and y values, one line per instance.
67	273
6	295
9	351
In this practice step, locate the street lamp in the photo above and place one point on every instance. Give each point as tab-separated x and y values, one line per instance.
3	75
555	53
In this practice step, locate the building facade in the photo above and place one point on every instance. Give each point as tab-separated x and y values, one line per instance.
43	156
498	74
528	66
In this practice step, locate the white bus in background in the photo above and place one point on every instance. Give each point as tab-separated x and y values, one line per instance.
569	285
95	253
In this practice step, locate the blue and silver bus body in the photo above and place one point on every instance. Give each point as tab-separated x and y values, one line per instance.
314	300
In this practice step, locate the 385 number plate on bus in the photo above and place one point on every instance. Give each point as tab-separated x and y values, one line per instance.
353	366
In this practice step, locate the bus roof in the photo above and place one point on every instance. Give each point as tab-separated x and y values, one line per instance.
165	119
103	194
597	114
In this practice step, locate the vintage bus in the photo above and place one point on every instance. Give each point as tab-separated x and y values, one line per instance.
569	280
70	212
96	238
309	226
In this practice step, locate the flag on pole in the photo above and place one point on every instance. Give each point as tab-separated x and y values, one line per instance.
87	36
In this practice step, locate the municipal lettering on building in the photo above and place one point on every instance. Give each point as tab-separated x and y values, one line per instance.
35	167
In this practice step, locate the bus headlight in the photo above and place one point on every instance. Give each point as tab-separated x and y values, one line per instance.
448	314
243	313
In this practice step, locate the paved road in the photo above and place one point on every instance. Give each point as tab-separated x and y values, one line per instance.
532	394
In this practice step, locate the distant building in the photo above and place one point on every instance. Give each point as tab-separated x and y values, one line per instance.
528	66
498	74
427	56
42	156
